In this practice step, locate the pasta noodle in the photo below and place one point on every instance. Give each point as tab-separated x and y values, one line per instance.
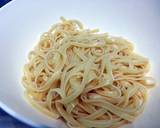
91	80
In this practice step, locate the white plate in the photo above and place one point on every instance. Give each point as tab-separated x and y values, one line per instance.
23	21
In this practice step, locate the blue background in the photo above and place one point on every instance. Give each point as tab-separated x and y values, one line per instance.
3	2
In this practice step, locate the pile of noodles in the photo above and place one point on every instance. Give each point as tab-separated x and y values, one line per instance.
90	80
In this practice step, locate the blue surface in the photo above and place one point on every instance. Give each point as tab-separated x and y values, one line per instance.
3	2
7	121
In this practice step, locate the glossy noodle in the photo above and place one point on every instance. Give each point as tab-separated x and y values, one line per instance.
89	79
